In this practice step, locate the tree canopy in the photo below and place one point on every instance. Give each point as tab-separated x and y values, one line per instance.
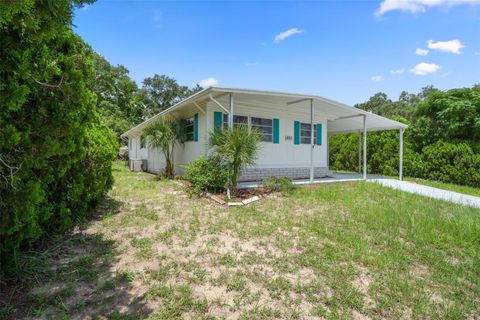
160	92
122	104
117	95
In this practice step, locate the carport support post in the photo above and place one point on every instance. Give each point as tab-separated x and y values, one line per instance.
230	127
400	163
311	140
365	147
230	114
359	152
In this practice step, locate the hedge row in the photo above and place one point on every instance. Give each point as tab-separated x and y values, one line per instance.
452	162
55	153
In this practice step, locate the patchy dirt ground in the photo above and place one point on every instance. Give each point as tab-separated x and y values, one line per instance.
154	252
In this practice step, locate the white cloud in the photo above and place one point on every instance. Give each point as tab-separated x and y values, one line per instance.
397	71
421	52
156	17
209	82
285	34
376	78
424	68
418	6
452	46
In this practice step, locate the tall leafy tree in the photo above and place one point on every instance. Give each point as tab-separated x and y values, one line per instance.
117	95
382	105
455	113
161	92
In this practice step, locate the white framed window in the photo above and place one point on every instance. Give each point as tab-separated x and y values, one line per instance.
264	126
142	142
306	133
189	129
237	120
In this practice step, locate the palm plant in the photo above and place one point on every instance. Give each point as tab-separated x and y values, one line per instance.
238	148
164	134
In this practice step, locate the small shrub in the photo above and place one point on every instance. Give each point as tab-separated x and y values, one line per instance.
237	148
279	184
206	174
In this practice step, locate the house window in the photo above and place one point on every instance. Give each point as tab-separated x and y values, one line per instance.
189	129
236	120
306	133
142	142
264	126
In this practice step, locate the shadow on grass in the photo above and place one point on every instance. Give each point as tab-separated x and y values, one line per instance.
72	276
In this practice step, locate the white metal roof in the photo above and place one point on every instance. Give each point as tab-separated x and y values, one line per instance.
342	118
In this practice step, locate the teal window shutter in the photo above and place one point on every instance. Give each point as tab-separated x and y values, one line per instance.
217	120
276	131
195	127
319	134
296	132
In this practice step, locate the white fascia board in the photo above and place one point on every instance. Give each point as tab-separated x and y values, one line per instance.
368	129
140	126
303	96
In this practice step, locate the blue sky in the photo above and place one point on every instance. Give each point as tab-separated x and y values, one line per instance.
343	50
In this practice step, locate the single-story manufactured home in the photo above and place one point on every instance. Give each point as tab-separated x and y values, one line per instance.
295	130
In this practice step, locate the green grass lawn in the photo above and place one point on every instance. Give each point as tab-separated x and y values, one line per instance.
335	251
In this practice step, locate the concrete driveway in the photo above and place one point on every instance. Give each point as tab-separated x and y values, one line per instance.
430	192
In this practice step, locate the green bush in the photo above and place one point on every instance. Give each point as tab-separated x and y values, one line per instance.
279	184
237	148
452	162
55	154
207	174
382	154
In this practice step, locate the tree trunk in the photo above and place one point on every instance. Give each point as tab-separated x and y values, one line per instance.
169	169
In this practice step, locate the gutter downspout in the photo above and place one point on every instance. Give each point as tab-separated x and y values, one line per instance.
230	113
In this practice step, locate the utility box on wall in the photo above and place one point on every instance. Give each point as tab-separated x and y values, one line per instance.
135	165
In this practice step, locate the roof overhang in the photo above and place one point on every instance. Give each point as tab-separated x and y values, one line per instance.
342	118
